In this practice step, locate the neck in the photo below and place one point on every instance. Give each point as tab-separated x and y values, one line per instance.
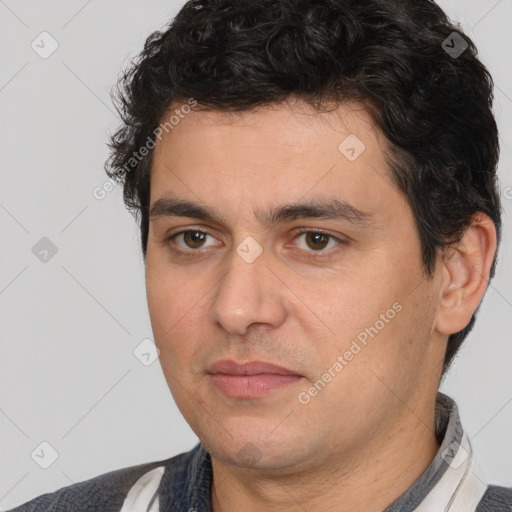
370	479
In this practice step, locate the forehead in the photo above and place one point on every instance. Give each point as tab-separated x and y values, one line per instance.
271	154
288	119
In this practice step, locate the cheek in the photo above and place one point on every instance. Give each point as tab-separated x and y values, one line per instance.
159	304
349	305
168	293
371	317
175	307
165	307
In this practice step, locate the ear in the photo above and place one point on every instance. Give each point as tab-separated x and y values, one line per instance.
466	266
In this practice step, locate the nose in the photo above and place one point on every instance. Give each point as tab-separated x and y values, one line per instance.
249	293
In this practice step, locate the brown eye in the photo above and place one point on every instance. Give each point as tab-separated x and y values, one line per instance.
190	239
194	239
316	241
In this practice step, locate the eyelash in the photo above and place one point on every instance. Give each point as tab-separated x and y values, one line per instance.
191	253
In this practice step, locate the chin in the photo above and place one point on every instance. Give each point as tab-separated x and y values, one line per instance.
256	449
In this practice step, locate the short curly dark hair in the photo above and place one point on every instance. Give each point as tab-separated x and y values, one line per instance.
395	56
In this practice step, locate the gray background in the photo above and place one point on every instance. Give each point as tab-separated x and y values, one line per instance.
69	326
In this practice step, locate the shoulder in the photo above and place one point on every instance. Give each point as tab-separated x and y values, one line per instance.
105	492
496	499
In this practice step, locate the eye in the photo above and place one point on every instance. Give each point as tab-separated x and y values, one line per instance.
192	239
317	241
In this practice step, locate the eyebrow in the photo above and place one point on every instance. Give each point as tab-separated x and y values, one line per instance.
320	209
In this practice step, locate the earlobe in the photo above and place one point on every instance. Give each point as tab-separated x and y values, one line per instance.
466	268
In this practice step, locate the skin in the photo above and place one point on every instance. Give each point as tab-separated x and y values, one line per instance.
364	439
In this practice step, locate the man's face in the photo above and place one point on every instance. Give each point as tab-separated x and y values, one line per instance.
348	313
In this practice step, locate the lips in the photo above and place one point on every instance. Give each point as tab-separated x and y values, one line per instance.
252	379
249	368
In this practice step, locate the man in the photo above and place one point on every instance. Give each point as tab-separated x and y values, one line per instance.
315	182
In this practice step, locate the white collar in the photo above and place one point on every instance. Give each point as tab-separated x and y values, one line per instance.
461	487
143	496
